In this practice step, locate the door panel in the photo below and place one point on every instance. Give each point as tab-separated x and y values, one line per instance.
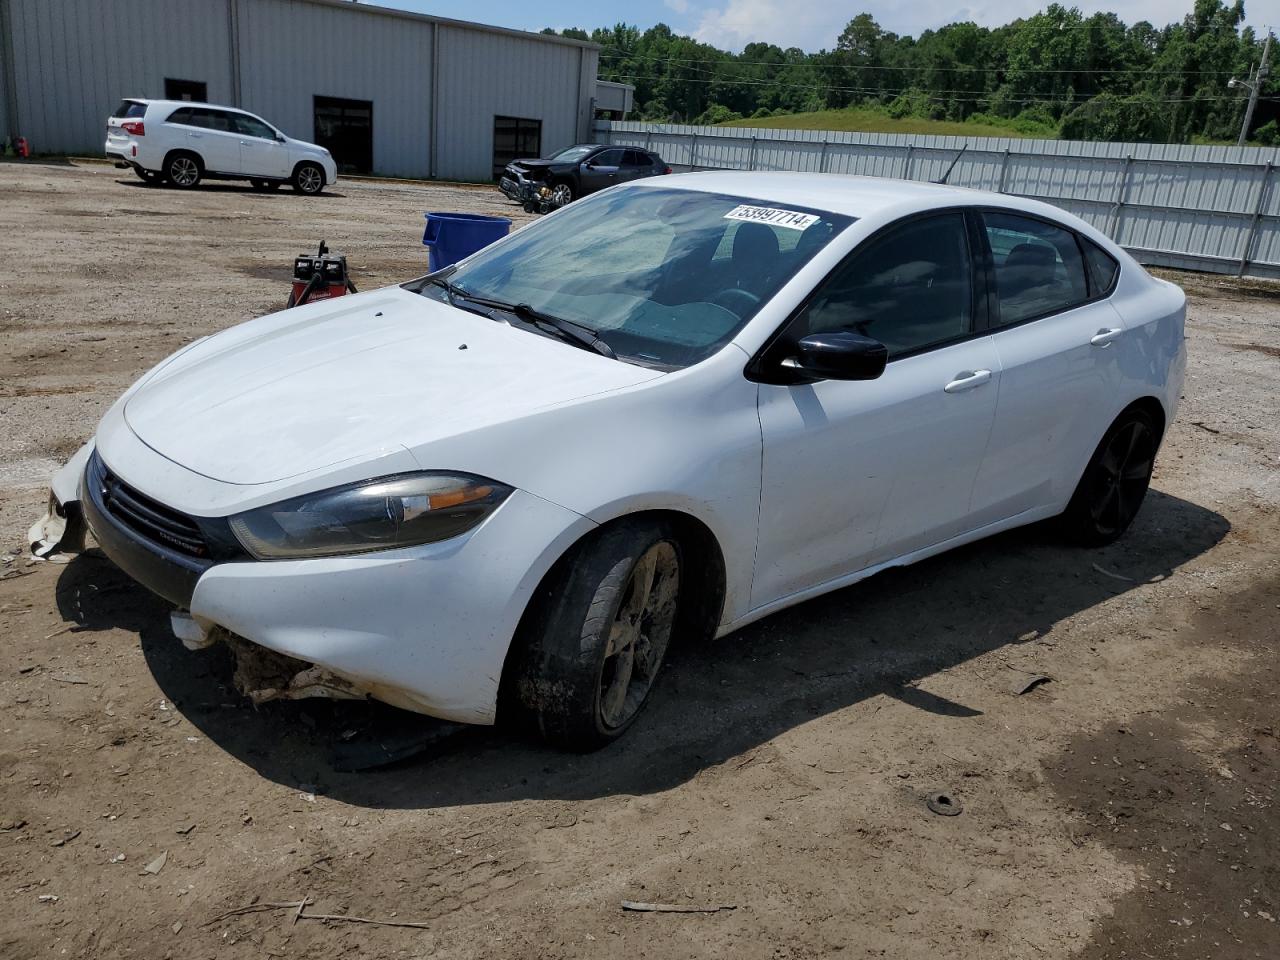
601	170
1057	391
213	136
261	154
856	473
1060	373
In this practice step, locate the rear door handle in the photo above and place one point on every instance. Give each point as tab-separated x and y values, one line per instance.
967	380
1105	336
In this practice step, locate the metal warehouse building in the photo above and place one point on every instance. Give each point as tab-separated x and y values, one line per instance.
386	91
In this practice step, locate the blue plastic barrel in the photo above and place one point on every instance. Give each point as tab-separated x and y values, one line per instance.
451	236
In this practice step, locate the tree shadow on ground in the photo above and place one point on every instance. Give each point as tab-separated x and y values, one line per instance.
717	699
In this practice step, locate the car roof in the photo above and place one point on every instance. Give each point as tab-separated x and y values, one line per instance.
854	196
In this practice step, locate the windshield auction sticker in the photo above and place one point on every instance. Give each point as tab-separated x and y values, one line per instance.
773	217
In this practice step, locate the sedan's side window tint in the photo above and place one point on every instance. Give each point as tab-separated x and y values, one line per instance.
1038	267
609	158
1102	267
911	288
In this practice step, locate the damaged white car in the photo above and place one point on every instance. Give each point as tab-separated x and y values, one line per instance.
501	491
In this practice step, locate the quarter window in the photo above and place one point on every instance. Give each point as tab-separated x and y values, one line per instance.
1038	267
910	289
1102	268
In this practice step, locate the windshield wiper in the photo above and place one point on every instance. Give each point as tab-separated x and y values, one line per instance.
453	293
570	331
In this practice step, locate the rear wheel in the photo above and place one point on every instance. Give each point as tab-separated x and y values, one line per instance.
1115	481
589	651
308	179
183	170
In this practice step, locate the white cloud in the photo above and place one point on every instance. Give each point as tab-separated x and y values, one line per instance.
816	24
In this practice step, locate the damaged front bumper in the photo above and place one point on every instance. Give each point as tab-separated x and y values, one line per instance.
62	528
424	628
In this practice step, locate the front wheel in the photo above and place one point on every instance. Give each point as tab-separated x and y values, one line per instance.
589	652
561	194
1115	482
308	179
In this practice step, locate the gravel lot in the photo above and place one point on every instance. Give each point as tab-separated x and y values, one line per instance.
1124	808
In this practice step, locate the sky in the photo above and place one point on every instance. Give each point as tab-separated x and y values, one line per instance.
809	24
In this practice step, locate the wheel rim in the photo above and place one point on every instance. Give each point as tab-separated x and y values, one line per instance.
183	171
1124	473
639	635
309	179
561	194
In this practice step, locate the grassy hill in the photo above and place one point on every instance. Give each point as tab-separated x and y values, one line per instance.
876	121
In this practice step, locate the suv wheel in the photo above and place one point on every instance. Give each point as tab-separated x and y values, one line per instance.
561	194
183	170
590	648
308	179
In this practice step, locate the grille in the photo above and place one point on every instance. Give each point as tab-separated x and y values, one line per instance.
146	518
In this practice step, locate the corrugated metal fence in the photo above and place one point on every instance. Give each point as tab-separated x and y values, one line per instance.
1176	205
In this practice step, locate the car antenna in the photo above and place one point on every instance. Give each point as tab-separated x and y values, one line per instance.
943	178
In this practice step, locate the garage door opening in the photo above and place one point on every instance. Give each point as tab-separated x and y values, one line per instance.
195	91
515	138
345	129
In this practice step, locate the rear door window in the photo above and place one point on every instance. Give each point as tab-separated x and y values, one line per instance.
182	116
608	158
634	158
911	288
212	119
1038	267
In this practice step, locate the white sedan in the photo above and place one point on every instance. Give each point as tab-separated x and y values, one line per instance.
501	491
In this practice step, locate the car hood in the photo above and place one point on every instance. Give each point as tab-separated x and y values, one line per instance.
350	379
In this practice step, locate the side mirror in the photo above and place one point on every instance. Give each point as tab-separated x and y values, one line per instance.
839	355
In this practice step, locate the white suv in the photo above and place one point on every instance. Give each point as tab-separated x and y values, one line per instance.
182	142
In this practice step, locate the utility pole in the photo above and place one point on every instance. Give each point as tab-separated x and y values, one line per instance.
1259	79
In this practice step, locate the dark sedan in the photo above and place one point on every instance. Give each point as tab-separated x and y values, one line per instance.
575	171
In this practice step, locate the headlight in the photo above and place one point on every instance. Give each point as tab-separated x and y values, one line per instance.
383	514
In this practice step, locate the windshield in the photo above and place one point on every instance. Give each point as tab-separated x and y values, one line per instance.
664	277
570	154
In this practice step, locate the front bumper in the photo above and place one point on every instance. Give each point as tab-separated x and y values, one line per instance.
424	628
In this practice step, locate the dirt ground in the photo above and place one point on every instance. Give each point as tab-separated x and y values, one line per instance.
1124	808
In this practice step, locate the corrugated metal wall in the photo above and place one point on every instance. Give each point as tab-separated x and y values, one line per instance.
340	52
1211	208
485	75
74	60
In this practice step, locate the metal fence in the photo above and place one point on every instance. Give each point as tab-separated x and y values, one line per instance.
1191	207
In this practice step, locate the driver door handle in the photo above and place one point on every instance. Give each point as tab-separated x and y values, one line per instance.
1104	336
967	380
